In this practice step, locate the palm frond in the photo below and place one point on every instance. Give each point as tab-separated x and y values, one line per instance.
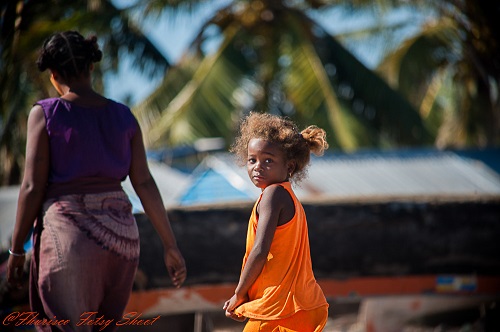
373	101
205	100
314	96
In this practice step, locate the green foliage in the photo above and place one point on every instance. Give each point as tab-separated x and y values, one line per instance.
439	87
24	25
273	58
450	71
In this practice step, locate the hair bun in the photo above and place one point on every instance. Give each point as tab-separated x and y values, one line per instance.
316	139
43	61
95	54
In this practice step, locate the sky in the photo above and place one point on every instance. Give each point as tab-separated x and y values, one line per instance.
172	34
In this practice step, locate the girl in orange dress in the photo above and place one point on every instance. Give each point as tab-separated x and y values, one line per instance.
277	290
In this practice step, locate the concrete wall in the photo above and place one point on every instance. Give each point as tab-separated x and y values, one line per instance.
348	238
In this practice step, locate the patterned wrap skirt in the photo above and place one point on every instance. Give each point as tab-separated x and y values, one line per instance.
85	256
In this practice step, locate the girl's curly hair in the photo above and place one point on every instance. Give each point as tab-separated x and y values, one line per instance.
69	53
297	145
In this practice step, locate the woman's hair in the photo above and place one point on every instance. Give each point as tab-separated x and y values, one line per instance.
69	53
297	145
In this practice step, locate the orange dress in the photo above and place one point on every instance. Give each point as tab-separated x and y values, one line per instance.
286	284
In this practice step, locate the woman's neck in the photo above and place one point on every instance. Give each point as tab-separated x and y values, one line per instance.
82	94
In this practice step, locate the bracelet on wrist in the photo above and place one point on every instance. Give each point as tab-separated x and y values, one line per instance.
16	254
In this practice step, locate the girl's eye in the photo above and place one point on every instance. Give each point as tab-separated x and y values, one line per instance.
269	161
251	160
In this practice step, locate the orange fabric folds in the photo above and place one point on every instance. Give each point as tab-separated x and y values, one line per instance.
286	284
302	321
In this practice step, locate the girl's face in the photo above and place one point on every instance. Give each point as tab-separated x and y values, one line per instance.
266	163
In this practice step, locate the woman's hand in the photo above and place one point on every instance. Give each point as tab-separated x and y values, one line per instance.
176	266
15	270
232	304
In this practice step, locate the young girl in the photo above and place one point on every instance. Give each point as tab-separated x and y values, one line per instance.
277	290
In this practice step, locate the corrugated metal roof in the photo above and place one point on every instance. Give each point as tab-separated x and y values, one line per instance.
436	174
406	173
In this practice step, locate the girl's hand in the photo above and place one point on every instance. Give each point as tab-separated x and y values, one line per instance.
235	317
15	270
176	266
232	304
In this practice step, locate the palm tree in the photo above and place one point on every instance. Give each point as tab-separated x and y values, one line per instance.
450	71
272	57
23	27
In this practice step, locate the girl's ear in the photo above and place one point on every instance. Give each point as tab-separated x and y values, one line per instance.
291	167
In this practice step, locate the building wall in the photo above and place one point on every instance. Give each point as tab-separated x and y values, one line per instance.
381	237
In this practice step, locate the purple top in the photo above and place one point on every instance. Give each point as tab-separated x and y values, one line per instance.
90	148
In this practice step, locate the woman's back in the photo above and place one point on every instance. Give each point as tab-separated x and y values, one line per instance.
89	147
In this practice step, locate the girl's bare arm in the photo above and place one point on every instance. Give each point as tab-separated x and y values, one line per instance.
270	207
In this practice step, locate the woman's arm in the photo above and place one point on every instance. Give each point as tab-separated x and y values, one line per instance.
270	208
32	190
145	187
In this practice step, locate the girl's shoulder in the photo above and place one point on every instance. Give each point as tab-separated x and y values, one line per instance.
274	188
276	193
279	187
277	197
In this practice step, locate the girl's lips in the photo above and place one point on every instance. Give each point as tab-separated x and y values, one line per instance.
258	181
